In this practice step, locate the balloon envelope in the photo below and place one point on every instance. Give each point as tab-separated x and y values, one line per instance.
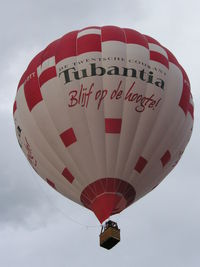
103	114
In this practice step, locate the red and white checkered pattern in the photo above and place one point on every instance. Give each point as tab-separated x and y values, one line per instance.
72	147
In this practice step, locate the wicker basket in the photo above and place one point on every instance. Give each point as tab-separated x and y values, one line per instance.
109	238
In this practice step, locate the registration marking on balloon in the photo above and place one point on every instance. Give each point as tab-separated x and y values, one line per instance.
29	154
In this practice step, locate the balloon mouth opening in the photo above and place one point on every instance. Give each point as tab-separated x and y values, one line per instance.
108	196
108	204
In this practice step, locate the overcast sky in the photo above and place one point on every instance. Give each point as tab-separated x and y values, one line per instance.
38	226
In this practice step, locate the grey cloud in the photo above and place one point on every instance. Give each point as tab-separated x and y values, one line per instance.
20	199
36	223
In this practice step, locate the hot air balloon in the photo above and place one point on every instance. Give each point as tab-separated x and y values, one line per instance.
103	114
